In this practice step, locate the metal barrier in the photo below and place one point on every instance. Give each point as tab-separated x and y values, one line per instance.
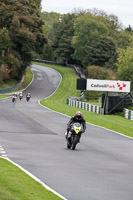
78	69
93	108
84	105
6	90
128	114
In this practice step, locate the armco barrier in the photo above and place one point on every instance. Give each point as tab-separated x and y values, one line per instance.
78	69
6	90
128	114
84	105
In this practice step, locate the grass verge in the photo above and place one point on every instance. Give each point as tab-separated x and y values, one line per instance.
16	185
27	79
67	88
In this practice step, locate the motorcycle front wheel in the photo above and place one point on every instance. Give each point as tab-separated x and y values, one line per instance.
68	146
74	143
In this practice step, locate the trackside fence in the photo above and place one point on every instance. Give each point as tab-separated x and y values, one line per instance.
6	90
84	105
97	109
128	114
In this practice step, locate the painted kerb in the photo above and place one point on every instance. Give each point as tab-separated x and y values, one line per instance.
84	105
128	114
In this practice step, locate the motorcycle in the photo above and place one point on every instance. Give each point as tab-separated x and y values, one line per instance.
74	135
28	98
14	99
20	97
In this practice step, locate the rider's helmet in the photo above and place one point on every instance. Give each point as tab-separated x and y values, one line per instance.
78	115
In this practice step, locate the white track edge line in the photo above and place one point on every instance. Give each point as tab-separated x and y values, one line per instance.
35	178
24	170
69	116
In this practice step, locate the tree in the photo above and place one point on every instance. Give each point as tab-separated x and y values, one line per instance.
101	52
86	32
125	65
63	38
5	44
51	20
96	72
129	29
23	22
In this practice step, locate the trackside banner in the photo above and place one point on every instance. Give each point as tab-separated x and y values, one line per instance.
107	85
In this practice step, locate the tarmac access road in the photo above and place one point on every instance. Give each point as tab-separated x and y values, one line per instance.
101	167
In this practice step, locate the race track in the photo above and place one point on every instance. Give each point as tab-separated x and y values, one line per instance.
101	168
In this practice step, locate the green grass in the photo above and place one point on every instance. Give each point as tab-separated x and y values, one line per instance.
10	83
94	103
67	88
27	79
2	96
16	185
130	107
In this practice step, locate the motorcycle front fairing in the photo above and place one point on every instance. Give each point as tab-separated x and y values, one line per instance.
76	130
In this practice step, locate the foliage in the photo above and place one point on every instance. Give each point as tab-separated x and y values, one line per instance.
57	102
96	72
63	38
27	80
5	44
125	65
129	29
51	20
101	52
86	32
85	37
22	21
92	95
122	39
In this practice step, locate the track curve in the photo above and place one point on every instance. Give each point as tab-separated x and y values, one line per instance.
33	137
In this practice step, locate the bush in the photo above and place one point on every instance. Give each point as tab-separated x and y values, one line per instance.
96	72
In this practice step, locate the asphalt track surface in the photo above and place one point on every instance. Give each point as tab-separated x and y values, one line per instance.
101	167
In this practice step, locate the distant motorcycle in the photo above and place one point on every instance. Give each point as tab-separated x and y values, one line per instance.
28	96
20	97
74	135
14	98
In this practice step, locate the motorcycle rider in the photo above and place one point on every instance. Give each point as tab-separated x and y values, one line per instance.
14	97
28	96
76	118
20	95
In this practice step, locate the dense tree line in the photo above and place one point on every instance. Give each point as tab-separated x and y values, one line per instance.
21	34
95	41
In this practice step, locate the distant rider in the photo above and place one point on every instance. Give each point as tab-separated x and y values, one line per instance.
20	95
28	96
76	118
14	96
